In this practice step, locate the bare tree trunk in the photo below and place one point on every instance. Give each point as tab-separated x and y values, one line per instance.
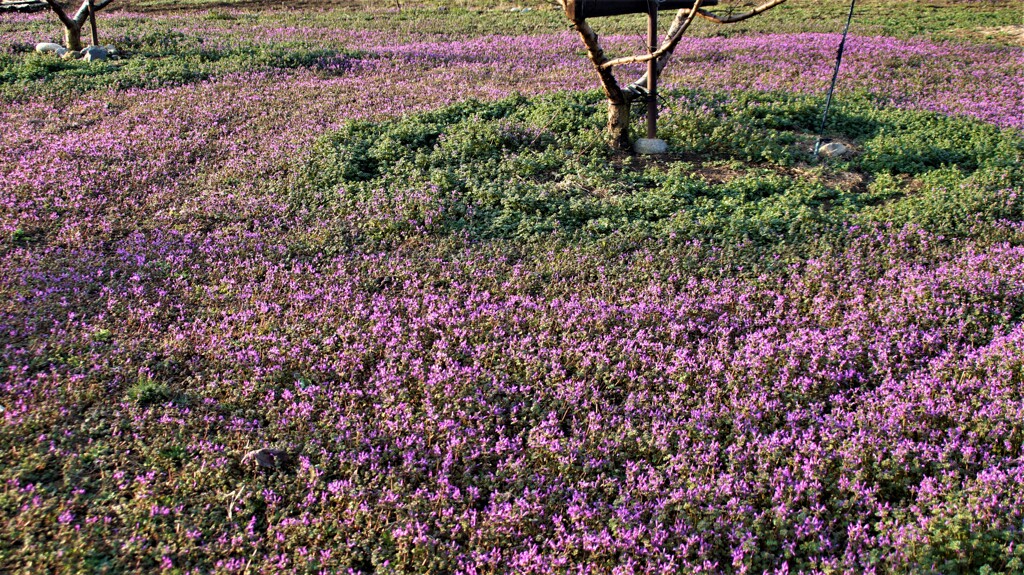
73	24
620	99
73	37
618	125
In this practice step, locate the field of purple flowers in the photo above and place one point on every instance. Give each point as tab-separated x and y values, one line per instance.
198	260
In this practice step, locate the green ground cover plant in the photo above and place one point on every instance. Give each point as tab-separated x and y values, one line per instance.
740	169
155	59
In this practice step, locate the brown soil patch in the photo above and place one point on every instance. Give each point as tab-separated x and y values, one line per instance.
720	173
1014	34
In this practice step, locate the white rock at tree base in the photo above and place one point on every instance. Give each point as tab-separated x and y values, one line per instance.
94	54
50	47
832	150
650	147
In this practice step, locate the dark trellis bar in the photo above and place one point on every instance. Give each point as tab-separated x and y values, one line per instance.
652	77
92	24
579	9
24	6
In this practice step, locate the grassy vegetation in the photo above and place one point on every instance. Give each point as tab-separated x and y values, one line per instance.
161	54
945	20
190	46
156	57
951	19
948	19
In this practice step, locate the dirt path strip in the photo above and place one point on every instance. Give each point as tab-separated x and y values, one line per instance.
1011	33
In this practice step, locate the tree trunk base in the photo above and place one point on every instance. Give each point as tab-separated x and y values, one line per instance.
73	38
618	126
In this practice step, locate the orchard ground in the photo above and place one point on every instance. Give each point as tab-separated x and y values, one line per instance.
393	245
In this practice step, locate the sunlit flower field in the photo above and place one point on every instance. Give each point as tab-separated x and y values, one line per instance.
398	253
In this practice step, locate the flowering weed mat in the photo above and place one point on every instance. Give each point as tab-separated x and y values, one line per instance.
483	342
489	344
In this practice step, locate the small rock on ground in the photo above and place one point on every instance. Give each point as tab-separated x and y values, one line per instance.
266	458
94	54
649	146
50	48
832	150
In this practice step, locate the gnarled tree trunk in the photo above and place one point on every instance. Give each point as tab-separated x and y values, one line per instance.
73	24
619	99
618	125
73	37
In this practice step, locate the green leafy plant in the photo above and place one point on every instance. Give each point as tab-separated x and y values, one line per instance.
740	169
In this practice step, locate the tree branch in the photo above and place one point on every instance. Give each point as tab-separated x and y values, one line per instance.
83	11
739	18
675	34
61	14
597	56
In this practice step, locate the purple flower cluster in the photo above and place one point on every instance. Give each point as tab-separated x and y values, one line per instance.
478	411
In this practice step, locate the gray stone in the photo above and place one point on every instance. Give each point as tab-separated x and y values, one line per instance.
650	147
266	458
832	150
50	48
94	54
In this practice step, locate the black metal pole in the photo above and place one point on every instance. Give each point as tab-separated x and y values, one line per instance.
835	78
652	75
92	23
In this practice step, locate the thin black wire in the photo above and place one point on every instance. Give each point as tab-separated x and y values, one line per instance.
835	78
